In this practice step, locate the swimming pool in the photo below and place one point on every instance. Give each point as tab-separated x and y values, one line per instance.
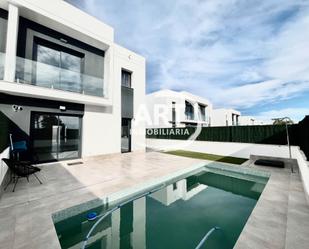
177	213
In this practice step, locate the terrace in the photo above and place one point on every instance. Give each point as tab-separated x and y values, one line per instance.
279	220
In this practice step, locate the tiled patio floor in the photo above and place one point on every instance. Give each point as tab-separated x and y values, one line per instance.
25	216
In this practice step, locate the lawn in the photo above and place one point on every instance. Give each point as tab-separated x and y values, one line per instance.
205	156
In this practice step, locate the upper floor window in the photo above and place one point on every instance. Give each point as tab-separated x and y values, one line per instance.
189	111
203	112
126	78
48	58
64	64
235	120
174	114
3	31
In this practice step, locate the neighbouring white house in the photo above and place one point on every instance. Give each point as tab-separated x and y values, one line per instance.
169	108
65	84
247	120
225	117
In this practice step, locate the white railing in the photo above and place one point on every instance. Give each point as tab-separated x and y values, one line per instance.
204	239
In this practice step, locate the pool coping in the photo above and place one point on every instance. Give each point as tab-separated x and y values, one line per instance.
124	194
30	224
160	182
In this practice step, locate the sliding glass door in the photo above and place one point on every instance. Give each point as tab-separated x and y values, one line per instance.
55	137
57	66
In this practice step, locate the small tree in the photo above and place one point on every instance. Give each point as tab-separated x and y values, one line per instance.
282	121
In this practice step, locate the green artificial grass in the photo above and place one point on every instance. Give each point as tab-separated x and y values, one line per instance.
205	156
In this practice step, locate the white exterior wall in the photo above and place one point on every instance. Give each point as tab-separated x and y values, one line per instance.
246	120
67	19
101	125
161	102
223	117
4	168
243	150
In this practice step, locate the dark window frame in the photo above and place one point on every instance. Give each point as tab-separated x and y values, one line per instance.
79	116
129	120
203	111
4	14
57	47
189	110
125	71
25	24
174	114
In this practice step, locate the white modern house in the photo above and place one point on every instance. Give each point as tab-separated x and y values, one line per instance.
65	85
169	108
231	117
248	120
225	117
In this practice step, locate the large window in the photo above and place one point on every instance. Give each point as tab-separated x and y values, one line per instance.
203	112
58	66
189	112
51	59
174	114
235	121
126	78
55	136
3	31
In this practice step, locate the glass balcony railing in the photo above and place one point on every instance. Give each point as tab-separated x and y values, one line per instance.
49	76
2	60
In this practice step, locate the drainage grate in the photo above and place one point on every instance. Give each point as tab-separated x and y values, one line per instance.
75	163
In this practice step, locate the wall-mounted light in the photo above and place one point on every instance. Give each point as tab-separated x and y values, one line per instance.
17	108
62	108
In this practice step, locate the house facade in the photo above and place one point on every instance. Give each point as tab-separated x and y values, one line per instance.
65	86
225	117
169	108
248	120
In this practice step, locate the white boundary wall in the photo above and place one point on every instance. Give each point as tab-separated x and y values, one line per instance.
243	150
3	167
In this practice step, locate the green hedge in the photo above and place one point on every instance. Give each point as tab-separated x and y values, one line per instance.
266	134
259	134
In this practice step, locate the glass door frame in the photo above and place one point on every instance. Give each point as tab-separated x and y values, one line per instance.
38	41
79	116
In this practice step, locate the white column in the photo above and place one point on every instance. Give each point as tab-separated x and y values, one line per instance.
11	44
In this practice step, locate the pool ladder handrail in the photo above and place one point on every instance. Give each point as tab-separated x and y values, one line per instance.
199	246
114	209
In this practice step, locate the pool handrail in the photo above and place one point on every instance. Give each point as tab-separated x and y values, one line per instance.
199	246
114	209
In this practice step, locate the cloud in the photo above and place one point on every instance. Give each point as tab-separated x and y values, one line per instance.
237	53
